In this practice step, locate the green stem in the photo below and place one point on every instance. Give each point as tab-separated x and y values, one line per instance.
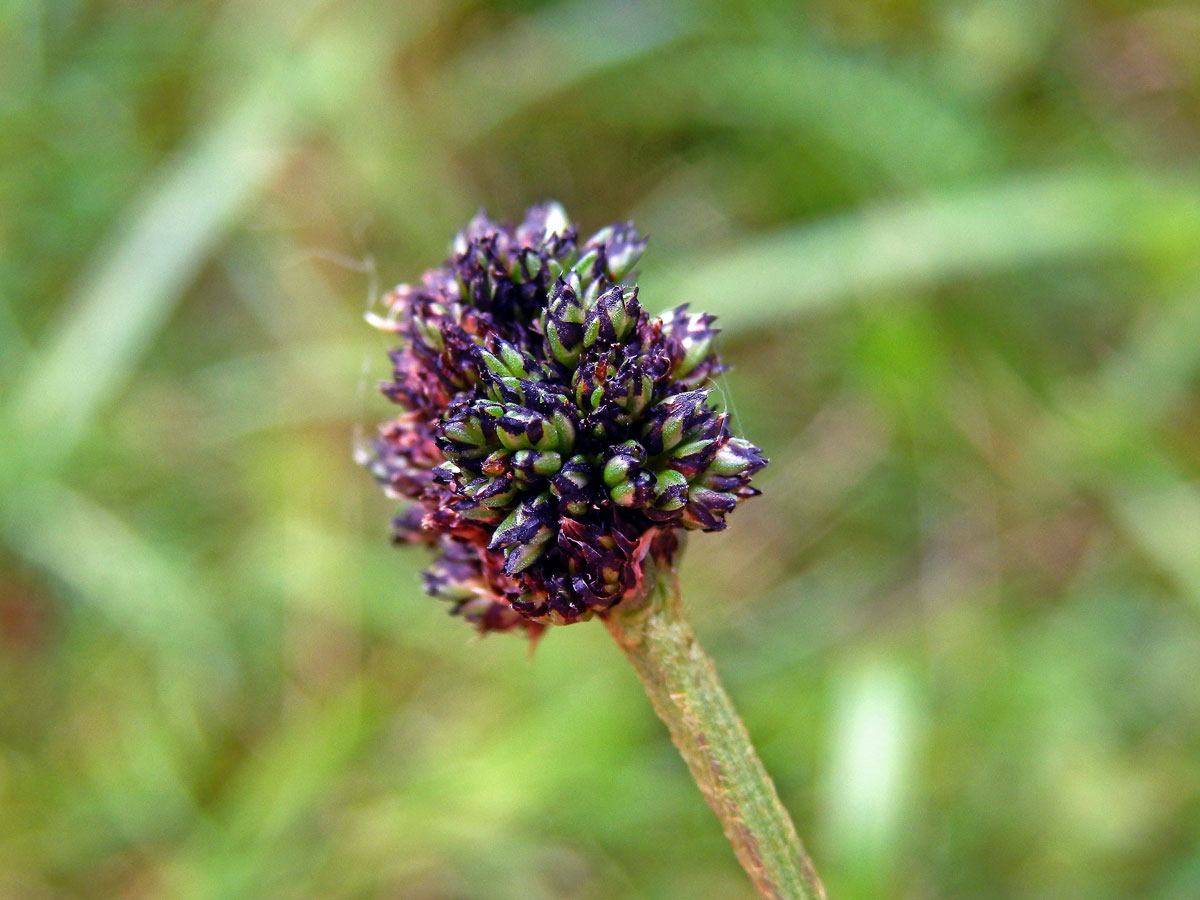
683	685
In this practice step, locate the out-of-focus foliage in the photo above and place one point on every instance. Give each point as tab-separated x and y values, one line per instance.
954	248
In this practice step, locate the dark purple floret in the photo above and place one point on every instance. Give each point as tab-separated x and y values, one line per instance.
554	433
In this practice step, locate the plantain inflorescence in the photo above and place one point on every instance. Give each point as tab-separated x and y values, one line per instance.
553	433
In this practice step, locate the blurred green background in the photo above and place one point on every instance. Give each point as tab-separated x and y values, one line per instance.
954	247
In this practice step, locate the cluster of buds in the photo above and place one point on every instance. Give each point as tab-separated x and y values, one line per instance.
554	433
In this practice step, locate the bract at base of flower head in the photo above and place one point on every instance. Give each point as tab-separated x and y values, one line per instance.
554	433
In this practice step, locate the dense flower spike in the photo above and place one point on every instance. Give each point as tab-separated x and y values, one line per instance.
554	433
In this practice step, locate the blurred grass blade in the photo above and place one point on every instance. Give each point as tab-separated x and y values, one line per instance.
1158	366
293	385
274	790
1098	430
135	281
13	340
275	786
147	594
1184	882
909	129
547	52
1016	223
872	750
1104	436
136	778
1163	523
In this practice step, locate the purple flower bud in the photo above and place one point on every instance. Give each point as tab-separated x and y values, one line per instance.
610	320
635	491
563	323
554	434
543	223
738	458
624	459
670	491
621	246
706	508
689	339
529	465
523	523
669	421
572	486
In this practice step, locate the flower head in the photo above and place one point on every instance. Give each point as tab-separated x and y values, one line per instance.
553	433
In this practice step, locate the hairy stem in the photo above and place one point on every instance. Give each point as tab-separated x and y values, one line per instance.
683	685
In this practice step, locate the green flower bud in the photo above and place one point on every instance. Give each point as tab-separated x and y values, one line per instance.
670	491
521	557
564	430
493	493
531	464
626	458
465	431
736	457
586	265
635	492
429	333
523	523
